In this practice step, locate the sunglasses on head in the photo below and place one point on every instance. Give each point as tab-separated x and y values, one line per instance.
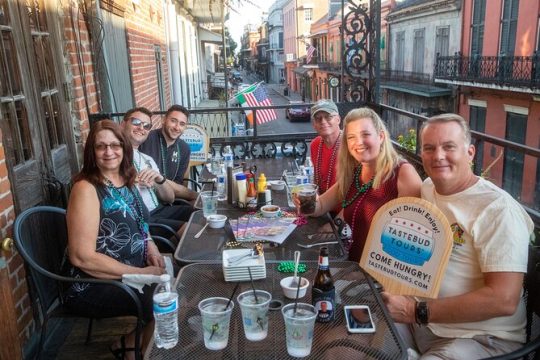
139	122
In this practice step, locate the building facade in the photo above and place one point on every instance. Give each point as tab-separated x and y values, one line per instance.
496	73
275	35
416	32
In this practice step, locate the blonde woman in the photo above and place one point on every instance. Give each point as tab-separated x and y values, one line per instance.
370	173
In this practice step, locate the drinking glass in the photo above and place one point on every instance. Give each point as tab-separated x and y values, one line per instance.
299	326
255	313
209	202
216	317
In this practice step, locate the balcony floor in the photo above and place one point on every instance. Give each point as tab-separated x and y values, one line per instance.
68	341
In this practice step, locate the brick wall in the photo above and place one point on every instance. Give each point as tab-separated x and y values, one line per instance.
79	70
145	25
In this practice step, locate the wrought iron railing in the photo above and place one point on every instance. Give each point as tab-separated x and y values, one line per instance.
511	71
492	156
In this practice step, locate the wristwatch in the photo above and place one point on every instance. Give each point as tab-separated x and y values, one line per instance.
162	181
421	313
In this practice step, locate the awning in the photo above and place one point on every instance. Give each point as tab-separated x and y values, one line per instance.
417	89
209	36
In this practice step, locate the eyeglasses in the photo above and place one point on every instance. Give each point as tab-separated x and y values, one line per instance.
113	146
319	118
139	122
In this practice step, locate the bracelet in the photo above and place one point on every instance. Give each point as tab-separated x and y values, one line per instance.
421	313
162	181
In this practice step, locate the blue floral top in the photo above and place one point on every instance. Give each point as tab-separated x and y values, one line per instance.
119	235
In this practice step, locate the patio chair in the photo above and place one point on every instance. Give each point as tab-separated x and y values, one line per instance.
40	235
531	348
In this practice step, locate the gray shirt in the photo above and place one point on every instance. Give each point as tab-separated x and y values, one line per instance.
173	160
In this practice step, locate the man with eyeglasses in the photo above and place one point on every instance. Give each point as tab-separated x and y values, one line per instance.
154	188
325	147
170	152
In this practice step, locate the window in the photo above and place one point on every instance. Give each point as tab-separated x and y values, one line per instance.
418	51
477	122
280	40
400	51
308	14
477	33
508	27
442	40
516	127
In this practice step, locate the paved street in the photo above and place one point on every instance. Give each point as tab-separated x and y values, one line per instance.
282	125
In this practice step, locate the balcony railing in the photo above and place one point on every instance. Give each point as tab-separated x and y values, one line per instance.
509	71
493	154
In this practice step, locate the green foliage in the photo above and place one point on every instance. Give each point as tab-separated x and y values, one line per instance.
408	141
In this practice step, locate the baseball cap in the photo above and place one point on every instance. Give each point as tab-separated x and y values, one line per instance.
324	105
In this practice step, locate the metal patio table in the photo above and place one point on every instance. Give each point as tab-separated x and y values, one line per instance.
331	340
209	247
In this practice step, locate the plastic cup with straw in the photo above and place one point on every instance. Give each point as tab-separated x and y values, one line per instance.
299	326
216	317
254	305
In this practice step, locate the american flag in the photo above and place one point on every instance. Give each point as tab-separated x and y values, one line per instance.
259	97
310	51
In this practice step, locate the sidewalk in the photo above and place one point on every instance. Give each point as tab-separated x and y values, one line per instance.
278	89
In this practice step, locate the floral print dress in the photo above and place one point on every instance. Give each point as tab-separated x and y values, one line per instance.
119	235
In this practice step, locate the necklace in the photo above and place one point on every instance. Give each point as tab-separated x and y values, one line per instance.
318	177
360	189
135	209
138	167
175	158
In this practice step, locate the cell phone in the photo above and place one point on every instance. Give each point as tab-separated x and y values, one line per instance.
358	319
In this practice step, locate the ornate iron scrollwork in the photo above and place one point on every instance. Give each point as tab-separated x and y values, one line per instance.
360	58
294	149
263	150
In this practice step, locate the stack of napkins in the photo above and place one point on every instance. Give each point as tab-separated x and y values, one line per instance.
238	270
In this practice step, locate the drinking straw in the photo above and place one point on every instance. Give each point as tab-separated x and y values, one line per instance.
215	326
230	299
297	293
253	286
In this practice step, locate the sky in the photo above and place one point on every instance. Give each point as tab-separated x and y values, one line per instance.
247	11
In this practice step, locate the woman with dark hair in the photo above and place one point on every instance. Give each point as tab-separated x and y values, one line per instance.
108	233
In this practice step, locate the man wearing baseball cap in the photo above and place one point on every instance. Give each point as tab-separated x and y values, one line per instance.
325	147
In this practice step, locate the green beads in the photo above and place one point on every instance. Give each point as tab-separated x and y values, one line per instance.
288	267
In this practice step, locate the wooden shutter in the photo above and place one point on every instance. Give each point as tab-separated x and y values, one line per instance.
478	123
477	37
508	27
418	48
516	127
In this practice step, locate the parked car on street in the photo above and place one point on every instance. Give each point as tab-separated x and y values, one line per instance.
236	77
298	111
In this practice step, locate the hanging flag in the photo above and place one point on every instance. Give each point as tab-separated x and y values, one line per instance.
310	51
240	97
259	97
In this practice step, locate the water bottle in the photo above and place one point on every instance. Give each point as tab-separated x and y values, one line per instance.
165	314
228	156
222	183
308	166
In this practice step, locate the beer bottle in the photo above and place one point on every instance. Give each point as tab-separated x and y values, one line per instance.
323	293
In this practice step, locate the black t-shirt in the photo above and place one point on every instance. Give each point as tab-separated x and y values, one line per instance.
176	156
